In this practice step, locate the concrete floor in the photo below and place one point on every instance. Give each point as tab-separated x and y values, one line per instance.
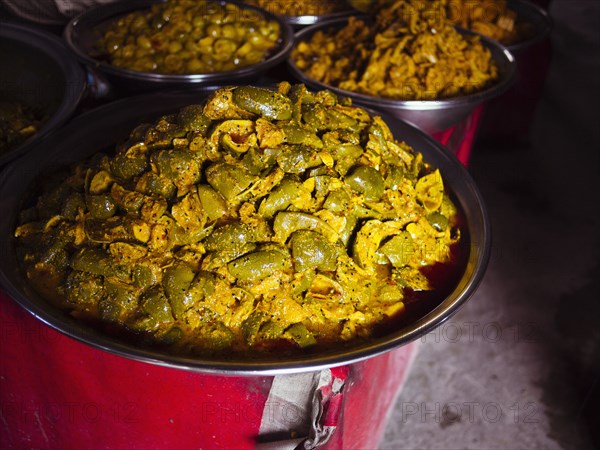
519	365
500	373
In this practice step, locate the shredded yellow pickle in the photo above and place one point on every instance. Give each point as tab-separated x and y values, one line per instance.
409	52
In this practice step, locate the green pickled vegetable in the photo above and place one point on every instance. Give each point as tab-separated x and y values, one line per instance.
261	221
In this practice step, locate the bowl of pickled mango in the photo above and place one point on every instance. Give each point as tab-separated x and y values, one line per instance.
406	58
148	44
254	230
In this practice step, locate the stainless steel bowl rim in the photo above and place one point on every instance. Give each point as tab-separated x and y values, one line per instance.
310	19
112	10
472	99
22	172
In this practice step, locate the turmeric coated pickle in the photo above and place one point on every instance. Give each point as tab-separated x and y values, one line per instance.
259	221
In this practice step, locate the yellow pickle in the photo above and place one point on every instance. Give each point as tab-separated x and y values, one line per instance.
260	221
189	37
408	51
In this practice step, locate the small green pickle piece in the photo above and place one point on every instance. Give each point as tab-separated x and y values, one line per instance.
230	238
258	265
367	181
98	262
143	277
176	282
179	166
215	206
251	326
130	163
311	250
337	201
84	290
192	118
298	159
394	177
399	250
264	102
300	335
156	305
101	206
72	206
229	180
288	222
438	221
280	198
120	302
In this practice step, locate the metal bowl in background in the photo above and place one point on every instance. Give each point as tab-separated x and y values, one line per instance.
39	72
430	115
83	32
508	118
536	17
100	129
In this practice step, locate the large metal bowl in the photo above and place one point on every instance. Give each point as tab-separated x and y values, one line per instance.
83	32
430	115
38	71
101	128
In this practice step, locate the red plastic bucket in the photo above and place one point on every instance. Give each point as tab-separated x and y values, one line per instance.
58	393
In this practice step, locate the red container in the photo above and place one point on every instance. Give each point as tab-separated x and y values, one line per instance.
56	392
459	139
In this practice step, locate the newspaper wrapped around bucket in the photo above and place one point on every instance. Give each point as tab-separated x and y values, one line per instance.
313	403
